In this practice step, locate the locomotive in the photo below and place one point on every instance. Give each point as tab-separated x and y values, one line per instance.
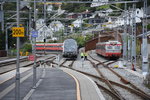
110	49
70	48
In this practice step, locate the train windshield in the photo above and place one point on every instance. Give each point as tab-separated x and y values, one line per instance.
70	46
117	47
109	47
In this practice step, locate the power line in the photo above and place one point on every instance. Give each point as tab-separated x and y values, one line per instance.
50	2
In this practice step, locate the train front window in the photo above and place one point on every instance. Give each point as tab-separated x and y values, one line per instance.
109	47
117	47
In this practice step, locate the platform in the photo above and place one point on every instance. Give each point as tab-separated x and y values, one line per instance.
52	84
88	89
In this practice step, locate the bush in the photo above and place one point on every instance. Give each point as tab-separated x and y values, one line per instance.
27	48
148	26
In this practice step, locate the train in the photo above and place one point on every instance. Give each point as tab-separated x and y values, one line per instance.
42	48
110	49
70	48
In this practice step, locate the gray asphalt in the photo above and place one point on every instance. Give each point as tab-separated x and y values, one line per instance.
56	85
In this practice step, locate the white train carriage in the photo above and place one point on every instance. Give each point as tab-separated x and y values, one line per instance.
109	49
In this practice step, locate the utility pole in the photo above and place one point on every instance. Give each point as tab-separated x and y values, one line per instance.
34	51
45	11
29	26
125	35
2	12
144	51
17	88
133	58
129	39
6	36
45	24
6	40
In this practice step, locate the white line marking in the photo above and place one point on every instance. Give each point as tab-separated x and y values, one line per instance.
12	86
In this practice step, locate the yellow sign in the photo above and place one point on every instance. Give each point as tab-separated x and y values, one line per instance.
18	31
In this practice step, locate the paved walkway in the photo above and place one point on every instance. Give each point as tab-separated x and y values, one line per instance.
53	84
88	89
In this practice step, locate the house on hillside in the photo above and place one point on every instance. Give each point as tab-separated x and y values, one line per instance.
56	26
77	23
72	15
40	23
119	21
86	14
97	19
99	3
43	31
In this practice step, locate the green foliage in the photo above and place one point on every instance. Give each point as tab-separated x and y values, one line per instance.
13	52
115	14
88	37
10	6
75	7
80	40
104	7
58	33
81	8
148	26
27	48
2	41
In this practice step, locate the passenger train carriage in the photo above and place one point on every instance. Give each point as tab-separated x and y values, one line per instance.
110	49
48	47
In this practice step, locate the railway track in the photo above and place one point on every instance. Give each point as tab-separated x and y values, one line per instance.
8	69
140	92
115	91
110	88
5	58
9	62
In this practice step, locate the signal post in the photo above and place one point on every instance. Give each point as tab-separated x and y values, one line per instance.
18	32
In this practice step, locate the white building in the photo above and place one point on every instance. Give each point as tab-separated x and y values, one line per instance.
56	26
43	31
120	19
40	23
49	8
77	23
101	2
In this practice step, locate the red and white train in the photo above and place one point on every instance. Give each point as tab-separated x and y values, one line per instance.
110	49
48	47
